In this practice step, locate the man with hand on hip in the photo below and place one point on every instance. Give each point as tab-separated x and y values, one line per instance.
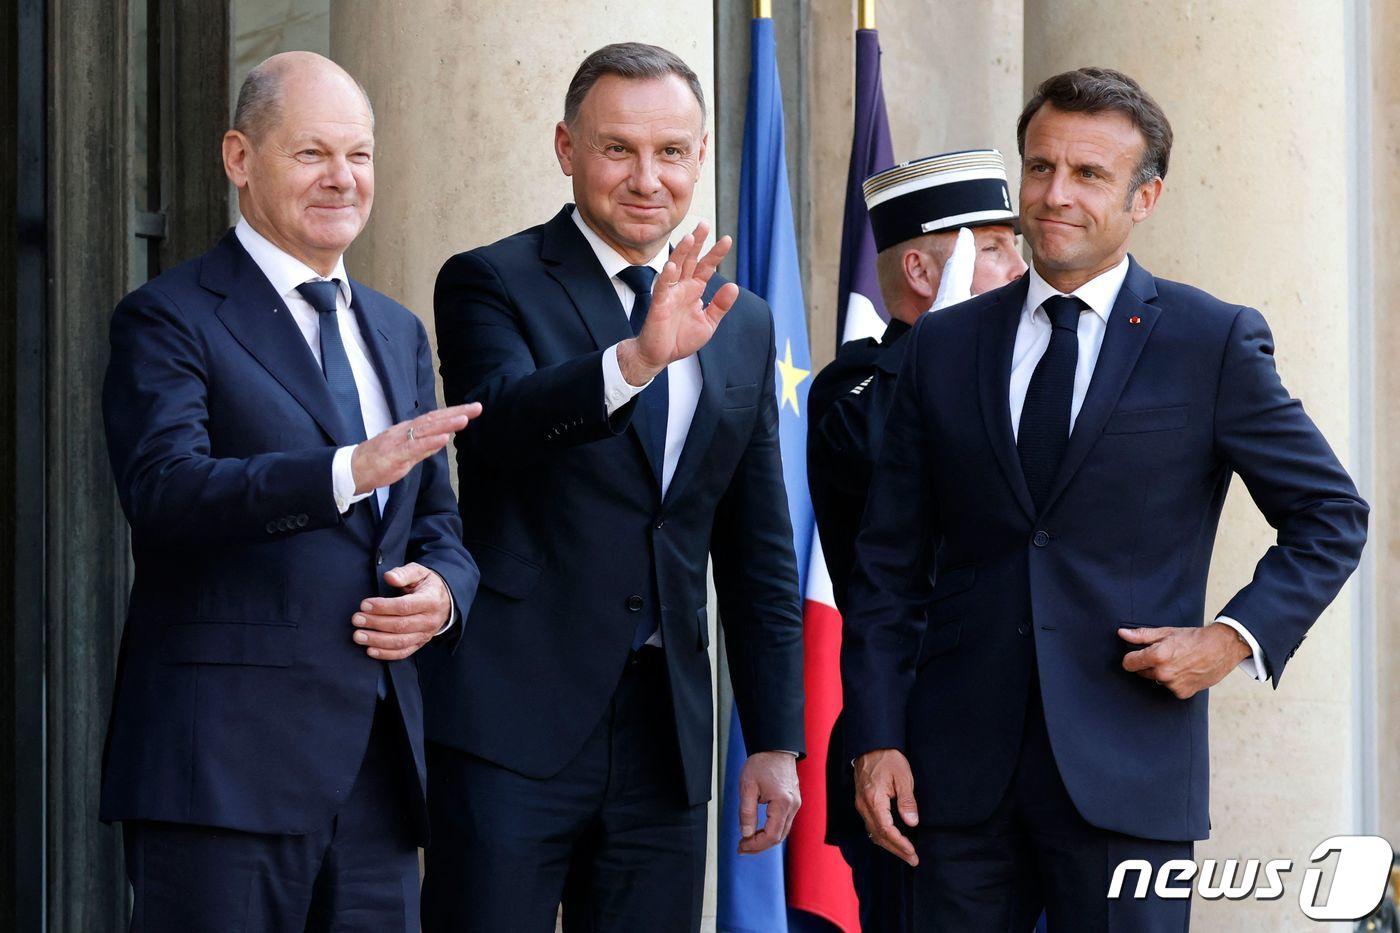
1025	663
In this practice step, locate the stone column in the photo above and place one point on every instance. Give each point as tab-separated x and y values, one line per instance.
1384	104
952	78
1255	211
466	95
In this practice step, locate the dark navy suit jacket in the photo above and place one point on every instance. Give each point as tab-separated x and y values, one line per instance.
963	597
562	509
241	700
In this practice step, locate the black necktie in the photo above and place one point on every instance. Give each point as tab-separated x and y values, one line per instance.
1044	430
334	363
655	398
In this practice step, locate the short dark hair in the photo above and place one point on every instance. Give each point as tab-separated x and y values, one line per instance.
633	60
1095	90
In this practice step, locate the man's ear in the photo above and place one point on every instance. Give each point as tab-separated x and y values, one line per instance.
1145	200
564	147
918	273
236	148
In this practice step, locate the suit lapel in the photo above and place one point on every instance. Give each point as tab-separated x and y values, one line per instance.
707	408
258	319
392	369
1122	345
996	340
570	261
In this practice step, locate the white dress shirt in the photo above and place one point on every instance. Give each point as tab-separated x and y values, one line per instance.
1032	338
286	272
682	377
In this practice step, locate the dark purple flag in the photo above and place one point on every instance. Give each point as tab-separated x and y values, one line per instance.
860	312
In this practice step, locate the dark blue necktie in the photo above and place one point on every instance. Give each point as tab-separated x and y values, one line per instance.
341	379
655	398
1044	431
334	363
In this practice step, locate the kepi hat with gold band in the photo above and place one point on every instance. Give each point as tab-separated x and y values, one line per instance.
938	193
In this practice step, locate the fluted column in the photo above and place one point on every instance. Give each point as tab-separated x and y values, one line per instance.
1257	211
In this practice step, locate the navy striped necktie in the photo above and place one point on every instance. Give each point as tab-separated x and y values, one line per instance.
1045	423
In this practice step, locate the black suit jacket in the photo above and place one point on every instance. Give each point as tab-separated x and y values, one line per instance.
846	410
964	598
563	512
241	700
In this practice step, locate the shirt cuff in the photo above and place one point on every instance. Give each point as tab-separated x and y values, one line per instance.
343	480
452	612
1254	664
617	391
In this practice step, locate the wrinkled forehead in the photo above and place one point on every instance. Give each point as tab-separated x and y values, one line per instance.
667	103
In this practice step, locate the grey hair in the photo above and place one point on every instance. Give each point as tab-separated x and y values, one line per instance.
259	106
632	60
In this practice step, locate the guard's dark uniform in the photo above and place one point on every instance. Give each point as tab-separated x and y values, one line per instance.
846	407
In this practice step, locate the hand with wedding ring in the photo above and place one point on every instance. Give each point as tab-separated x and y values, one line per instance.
388	456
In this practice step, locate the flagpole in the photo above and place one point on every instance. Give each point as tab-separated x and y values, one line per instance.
867	15
762	9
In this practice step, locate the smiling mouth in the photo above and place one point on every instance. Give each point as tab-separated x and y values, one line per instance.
1058	223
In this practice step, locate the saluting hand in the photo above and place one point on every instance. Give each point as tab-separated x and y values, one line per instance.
678	322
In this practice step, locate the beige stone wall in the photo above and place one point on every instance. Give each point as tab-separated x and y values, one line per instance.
466	96
1254	211
952	76
1385	533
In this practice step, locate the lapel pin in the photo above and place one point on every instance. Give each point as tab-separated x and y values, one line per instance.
1134	320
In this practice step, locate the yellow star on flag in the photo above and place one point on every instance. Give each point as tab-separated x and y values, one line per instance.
792	377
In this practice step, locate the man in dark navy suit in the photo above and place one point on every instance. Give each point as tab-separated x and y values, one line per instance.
944	231
272	429
630	433
1024	661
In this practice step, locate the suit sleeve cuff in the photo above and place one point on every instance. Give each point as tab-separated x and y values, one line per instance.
617	391
1254	664
343	480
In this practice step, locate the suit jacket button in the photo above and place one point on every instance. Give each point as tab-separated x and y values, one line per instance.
634	603
378	557
660	522
301	521
1023	629
271	528
1041	539
283	524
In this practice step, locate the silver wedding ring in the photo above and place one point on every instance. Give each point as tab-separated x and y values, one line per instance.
410	433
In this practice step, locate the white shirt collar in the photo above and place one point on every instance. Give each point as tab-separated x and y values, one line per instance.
1099	293
611	261
283	270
